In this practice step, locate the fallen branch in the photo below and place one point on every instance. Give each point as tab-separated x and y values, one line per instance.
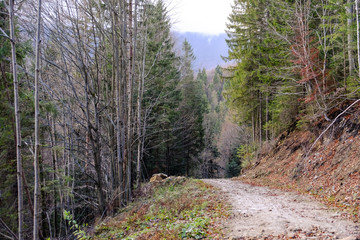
8	229
337	117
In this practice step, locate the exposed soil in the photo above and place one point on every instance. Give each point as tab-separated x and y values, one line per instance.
264	213
328	169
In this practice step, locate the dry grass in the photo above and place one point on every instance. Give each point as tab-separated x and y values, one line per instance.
189	209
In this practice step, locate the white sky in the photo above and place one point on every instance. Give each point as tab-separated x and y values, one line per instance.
200	16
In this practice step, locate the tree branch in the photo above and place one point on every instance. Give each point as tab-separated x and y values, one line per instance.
8	229
337	117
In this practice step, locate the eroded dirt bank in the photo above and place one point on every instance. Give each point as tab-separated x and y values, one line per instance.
260	212
328	168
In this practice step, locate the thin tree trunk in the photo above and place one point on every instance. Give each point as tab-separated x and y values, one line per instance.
143	132
5	226
139	101
54	177
253	125
113	129
37	131
42	224
124	77
119	161
167	158
267	117
349	10
28	195
344	47
17	123
357	34
188	163
129	106
260	120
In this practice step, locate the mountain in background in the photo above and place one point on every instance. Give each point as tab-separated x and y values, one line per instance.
208	49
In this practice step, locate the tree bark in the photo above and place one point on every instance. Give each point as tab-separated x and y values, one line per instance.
267	117
253	125
260	120
37	130
124	77
139	109
344	56
118	104
357	34
17	123
349	10
129	102
54	168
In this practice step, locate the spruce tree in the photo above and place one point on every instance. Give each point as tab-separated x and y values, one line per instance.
162	95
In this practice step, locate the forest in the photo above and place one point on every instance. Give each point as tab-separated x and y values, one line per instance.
297	65
95	98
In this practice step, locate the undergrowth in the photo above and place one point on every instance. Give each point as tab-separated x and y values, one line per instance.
188	209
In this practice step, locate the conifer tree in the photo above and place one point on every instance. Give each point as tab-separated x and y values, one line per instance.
192	110
160	101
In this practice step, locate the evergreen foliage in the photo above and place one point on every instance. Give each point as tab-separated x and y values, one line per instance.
163	93
112	97
8	186
295	61
233	167
118	103
189	132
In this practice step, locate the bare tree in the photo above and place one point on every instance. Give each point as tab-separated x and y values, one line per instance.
357	34
96	72
17	121
141	84
349	10
37	129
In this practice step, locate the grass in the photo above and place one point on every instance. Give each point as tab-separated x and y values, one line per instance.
185	209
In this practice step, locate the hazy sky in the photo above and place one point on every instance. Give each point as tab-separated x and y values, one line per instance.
200	16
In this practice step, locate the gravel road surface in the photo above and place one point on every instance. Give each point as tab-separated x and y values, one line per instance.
263	213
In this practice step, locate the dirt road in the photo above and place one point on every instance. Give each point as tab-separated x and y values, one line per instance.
263	213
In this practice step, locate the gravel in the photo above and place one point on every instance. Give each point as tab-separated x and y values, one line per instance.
263	213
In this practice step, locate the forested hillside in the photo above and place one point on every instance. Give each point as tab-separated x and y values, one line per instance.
297	63
295	90
94	100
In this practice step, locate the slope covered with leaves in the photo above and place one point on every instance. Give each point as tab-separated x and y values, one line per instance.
177	208
327	168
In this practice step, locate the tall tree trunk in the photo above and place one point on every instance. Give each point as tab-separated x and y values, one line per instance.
260	120
253	125
113	98
349	10
344	56
37	130
17	123
54	177
139	101
124	76
132	44
267	117
118	104
357	34
143	132
43	226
